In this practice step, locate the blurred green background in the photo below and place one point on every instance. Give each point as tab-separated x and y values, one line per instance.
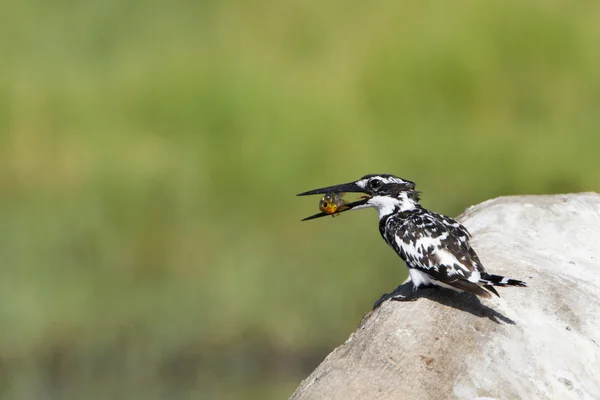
150	153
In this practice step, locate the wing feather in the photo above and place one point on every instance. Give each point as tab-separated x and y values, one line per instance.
436	245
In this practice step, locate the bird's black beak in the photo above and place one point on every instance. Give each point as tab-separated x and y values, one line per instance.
343	188
351	187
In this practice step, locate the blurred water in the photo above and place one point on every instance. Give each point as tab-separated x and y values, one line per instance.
150	153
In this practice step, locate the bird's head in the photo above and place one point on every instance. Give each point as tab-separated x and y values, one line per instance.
387	193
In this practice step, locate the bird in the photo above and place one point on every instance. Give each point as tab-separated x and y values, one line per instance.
436	248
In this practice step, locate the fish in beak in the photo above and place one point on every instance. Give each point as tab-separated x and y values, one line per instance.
335	193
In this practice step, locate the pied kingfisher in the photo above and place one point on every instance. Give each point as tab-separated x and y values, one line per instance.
435	248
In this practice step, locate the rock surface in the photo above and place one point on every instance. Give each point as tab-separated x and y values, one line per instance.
539	342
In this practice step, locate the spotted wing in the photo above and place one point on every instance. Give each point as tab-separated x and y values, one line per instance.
438	246
464	236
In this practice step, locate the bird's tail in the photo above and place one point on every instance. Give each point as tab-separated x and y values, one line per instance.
498	280
488	281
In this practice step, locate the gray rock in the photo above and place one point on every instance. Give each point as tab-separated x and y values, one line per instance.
539	342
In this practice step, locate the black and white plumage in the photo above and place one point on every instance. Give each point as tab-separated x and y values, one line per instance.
436	248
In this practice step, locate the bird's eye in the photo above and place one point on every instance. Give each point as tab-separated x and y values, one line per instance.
376	184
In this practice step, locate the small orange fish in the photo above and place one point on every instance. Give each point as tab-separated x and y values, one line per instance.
332	203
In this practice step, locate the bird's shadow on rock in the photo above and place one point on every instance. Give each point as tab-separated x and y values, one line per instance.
461	301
